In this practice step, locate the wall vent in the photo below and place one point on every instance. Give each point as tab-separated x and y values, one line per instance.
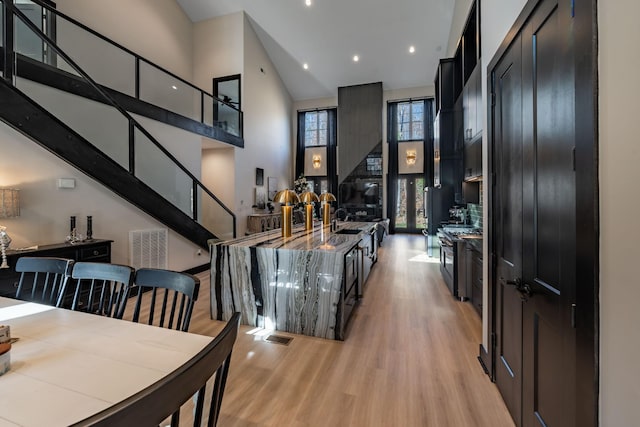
148	248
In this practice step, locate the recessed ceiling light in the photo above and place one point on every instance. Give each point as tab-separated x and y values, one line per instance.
174	87
307	2
305	66
356	58
412	49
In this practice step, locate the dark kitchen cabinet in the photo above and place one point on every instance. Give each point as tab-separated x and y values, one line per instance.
349	297
473	279
444	84
472	106
447	151
476	281
473	160
93	251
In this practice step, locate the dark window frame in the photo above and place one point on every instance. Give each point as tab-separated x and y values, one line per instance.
331	145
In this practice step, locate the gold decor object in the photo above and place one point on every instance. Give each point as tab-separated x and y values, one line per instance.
286	198
316	161
308	198
411	157
326	199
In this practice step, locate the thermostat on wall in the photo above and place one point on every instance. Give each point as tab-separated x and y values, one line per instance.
66	183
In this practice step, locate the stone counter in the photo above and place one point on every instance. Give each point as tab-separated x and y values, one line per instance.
290	284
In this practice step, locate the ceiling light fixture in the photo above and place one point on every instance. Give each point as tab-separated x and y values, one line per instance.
412	49
305	66
174	87
307	2
356	58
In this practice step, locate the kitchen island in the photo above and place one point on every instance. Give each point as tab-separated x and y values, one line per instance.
305	284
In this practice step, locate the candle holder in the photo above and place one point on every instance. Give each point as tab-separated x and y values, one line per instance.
89	228
286	197
308	198
326	199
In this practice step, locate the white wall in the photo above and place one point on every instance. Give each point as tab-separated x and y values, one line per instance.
218	166
217	49
158	30
619	175
460	13
267	105
228	45
218	175
45	209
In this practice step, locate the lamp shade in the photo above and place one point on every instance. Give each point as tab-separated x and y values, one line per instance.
9	203
327	197
286	197
309	197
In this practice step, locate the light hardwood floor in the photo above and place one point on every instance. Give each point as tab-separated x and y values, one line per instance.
409	359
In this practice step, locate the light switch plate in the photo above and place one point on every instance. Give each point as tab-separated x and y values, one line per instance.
66	183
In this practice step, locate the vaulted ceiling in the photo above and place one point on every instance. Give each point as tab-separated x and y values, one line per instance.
327	34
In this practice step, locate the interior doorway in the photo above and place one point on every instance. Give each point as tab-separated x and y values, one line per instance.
541	198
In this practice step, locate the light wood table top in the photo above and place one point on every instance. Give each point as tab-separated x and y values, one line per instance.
69	365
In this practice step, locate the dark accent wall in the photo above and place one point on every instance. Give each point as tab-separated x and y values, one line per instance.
359	124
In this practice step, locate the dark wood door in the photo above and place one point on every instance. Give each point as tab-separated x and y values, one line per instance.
549	217
535	220
507	209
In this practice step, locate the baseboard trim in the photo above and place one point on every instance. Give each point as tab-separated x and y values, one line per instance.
484	360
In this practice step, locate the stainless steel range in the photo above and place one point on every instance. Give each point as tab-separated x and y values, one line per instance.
452	249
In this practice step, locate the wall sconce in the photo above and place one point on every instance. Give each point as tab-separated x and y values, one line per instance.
326	199
411	157
286	197
9	208
308	197
316	161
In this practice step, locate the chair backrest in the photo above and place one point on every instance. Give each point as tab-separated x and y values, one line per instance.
101	288
169	297
43	279
154	404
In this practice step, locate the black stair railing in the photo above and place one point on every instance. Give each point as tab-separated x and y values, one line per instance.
102	123
119	68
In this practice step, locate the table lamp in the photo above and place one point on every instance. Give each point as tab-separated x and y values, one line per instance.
326	199
286	198
9	208
308	197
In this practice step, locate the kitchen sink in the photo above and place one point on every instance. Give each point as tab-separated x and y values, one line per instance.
348	231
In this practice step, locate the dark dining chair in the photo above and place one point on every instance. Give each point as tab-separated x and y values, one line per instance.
43	280
101	288
163	399
169	297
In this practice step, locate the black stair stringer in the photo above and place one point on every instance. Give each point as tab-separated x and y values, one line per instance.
29	118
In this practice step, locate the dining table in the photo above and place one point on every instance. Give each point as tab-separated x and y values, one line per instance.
68	365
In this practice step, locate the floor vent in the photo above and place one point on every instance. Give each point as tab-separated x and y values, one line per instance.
148	248
279	339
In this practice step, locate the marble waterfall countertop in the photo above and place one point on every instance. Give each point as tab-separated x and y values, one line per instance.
289	284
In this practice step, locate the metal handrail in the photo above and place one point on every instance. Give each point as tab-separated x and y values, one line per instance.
127	50
14	11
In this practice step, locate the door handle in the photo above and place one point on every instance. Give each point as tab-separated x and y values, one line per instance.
524	289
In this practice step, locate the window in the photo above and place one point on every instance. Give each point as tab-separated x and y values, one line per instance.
410	120
316	148
315	128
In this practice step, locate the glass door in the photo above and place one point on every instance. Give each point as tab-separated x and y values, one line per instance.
410	204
